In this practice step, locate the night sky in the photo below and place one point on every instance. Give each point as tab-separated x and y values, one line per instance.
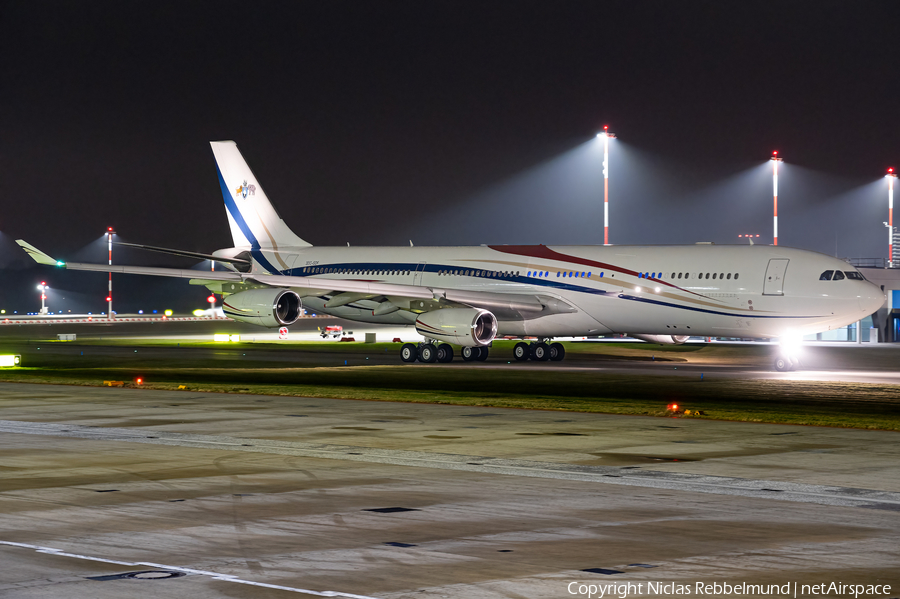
441	122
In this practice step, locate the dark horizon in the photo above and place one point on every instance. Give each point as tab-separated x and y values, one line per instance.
445	123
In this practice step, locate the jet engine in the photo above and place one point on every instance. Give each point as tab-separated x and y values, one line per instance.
469	327
663	339
265	307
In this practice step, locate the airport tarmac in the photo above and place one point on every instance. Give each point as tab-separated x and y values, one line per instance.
255	496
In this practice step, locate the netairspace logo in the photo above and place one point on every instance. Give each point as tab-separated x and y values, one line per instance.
621	590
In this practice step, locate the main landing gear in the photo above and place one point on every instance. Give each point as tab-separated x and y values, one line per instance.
430	353
471	354
539	351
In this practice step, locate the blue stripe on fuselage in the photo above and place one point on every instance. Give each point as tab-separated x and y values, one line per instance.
379	266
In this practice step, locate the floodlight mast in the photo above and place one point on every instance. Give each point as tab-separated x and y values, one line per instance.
775	160
43	287
891	175
606	135
109	234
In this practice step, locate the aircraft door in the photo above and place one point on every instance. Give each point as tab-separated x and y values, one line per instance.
417	276
774	283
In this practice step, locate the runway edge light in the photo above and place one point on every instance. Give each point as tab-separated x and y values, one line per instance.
10	360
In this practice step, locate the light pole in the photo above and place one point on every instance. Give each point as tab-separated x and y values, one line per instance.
775	160
891	175
109	234
43	287
606	135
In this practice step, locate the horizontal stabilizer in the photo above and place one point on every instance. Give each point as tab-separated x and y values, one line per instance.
36	254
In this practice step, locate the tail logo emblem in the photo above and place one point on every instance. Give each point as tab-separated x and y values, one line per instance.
245	190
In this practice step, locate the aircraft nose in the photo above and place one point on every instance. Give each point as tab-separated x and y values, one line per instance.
871	299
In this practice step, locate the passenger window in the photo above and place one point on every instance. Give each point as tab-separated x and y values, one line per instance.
714	275
679	275
728	276
736	275
826	276
854	276
838	276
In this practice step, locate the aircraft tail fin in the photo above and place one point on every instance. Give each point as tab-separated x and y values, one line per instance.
253	220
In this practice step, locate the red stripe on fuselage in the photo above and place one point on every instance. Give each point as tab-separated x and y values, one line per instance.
542	251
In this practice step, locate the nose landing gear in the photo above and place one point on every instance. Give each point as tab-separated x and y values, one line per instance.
786	363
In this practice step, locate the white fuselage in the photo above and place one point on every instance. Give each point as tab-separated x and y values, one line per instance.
703	290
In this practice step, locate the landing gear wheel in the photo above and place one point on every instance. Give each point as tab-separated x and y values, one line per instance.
557	352
783	364
482	354
409	352
540	352
521	352
428	353
444	353
469	353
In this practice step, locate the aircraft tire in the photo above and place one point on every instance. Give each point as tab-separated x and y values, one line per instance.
557	352
468	353
540	352
482	354
521	352
428	353
444	353
409	352
783	364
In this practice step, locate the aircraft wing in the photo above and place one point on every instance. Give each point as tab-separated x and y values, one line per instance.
307	286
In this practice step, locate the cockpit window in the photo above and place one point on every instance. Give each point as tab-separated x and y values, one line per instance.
826	276
854	276
838	276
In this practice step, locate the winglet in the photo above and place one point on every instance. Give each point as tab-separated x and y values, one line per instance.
39	256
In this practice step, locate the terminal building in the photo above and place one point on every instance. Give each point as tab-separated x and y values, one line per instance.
883	325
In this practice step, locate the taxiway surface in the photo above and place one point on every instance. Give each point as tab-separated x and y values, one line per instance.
252	496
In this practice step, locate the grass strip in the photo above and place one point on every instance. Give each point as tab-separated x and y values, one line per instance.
819	403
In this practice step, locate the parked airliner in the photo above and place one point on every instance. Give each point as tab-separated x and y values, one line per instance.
468	296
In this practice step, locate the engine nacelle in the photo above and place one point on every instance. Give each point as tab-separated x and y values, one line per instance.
469	327
265	307
663	339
